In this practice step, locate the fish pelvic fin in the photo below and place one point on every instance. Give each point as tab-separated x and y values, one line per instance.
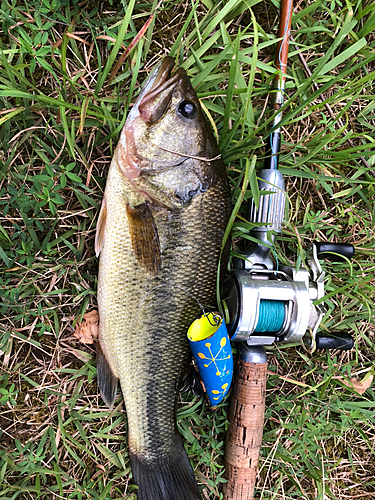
144	237
100	227
169	478
107	381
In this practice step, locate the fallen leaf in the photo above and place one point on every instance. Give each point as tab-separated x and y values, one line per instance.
360	386
88	330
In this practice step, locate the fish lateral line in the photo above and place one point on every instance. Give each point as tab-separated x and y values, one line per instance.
165	285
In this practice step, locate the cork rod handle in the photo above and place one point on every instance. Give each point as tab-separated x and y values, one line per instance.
244	436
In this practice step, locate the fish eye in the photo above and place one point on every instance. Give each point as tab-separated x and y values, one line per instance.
188	109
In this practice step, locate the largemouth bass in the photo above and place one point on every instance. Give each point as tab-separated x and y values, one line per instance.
159	233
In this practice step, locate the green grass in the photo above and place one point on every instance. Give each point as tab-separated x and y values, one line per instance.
60	117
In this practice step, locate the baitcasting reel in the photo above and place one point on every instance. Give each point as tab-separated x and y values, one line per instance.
265	302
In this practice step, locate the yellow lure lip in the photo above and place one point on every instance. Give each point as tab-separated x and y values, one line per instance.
204	327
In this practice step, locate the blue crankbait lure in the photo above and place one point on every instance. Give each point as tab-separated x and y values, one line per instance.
209	342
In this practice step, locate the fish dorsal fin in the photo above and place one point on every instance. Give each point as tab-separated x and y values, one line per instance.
144	237
107	381
100	227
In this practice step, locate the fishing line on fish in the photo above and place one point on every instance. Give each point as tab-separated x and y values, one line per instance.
217	157
216	317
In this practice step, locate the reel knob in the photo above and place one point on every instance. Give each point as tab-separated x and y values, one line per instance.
337	340
334	251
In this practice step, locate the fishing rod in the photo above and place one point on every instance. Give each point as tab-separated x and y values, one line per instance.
269	303
264	303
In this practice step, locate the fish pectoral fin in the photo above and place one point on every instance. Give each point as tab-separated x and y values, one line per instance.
100	227
159	196
144	237
107	381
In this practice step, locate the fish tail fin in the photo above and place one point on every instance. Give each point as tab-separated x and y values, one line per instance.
168	478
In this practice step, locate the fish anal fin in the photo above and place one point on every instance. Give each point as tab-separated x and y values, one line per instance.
107	381
144	237
100	227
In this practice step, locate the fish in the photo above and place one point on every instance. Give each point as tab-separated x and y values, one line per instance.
159	234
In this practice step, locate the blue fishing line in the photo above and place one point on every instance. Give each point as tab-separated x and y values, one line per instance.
269	206
271	315
276	259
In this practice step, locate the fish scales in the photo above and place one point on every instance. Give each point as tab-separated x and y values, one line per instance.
159	233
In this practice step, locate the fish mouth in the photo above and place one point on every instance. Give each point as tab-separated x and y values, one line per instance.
157	91
150	106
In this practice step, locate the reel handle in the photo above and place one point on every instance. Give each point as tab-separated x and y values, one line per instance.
246	418
334	251
336	340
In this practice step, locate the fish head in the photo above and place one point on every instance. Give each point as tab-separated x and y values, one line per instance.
165	128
